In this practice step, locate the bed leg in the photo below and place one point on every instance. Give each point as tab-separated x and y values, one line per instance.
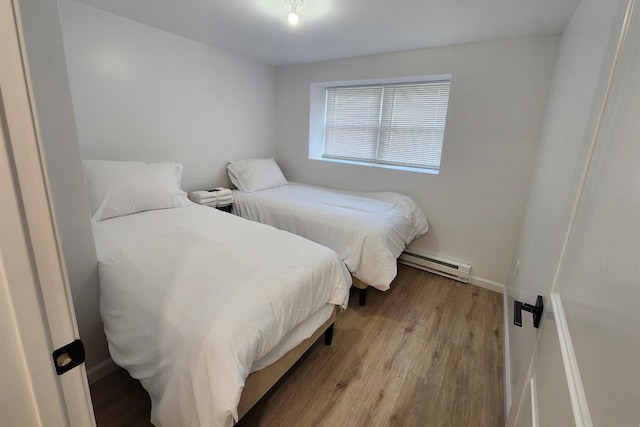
328	335
363	297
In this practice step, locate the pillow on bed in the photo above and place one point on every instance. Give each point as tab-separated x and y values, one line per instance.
123	188
256	174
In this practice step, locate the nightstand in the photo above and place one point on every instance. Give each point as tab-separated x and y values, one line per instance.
227	209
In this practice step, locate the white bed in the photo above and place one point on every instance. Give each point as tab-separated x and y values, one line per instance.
368	230
194	299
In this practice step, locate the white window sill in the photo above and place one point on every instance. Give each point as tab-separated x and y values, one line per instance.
378	165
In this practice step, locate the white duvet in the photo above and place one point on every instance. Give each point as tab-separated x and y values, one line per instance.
194	299
368	230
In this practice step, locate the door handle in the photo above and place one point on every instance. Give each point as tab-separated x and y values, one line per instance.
68	357
536	310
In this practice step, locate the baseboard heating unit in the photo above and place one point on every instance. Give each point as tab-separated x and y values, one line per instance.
452	269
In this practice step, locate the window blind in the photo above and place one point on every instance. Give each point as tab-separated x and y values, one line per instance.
397	124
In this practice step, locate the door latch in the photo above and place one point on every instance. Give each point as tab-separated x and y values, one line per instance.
536	310
68	357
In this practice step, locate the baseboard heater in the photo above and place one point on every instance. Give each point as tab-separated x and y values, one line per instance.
452	269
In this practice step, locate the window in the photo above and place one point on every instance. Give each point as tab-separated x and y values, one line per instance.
399	124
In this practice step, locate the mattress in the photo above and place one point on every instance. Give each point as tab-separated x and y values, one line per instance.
194	299
368	230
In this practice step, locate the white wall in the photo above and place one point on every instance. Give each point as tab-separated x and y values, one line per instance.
584	60
144	94
45	54
475	205
140	93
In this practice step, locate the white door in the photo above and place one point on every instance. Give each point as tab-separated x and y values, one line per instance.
584	370
36	311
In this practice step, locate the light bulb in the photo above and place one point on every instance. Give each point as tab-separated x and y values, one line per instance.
293	18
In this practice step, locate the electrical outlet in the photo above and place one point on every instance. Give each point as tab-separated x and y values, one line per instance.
517	268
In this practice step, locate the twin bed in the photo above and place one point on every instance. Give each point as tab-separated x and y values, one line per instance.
206	309
193	300
368	230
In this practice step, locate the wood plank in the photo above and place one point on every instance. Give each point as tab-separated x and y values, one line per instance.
120	401
428	352
358	283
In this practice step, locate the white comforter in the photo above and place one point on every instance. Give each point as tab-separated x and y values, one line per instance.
194	299
368	230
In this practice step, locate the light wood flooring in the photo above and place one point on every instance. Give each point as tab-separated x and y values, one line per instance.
428	352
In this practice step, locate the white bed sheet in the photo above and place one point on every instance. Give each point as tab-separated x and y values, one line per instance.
368	230
193	299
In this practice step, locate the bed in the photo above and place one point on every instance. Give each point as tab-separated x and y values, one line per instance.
205	308
368	230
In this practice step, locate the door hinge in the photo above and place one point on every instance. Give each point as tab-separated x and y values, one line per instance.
536	310
68	357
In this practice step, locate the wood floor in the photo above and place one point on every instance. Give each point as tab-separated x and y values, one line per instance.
426	353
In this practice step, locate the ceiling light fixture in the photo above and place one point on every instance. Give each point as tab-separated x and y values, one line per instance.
293	13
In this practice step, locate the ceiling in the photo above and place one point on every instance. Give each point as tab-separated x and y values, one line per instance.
331	29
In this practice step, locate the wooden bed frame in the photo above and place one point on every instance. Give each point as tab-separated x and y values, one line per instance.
258	383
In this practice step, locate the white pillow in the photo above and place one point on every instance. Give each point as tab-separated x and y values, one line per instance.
256	174
123	188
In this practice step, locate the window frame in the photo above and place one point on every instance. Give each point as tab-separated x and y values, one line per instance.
318	124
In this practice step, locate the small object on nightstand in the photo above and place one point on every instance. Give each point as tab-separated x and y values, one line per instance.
219	198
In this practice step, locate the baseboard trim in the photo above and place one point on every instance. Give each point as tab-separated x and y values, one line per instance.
487	284
101	370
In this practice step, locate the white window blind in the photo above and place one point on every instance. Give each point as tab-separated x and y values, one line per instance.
396	124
